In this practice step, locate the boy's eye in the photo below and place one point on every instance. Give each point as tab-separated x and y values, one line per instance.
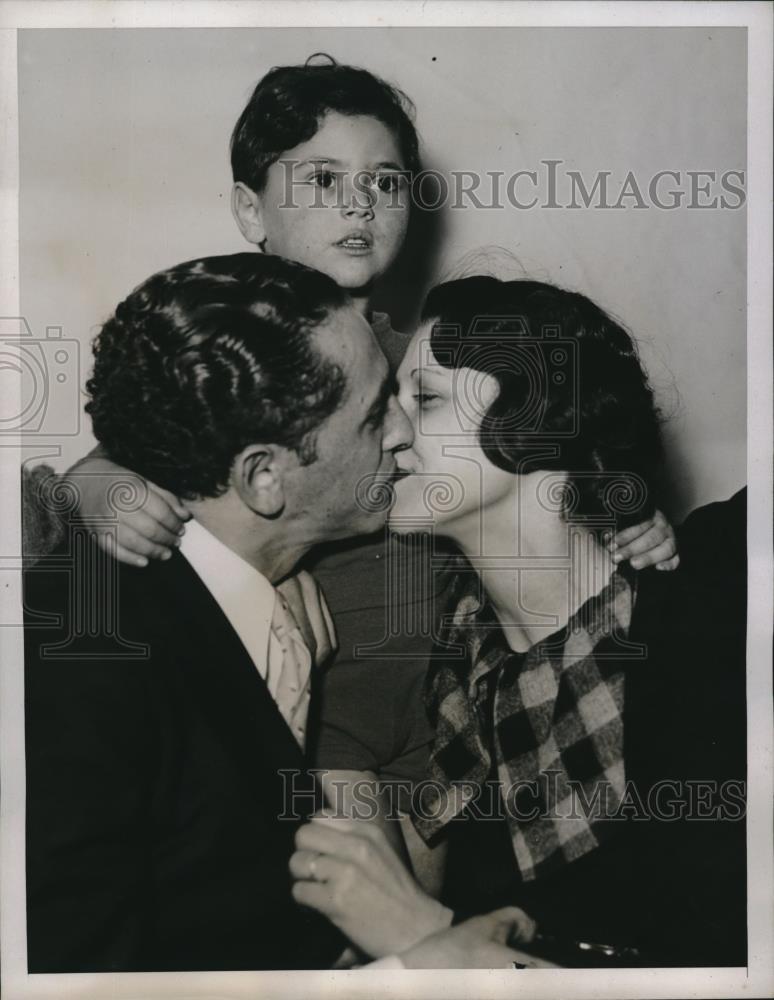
323	178
388	182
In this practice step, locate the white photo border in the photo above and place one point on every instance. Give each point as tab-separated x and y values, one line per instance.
758	978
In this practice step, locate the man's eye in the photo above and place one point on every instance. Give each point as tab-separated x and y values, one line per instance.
376	421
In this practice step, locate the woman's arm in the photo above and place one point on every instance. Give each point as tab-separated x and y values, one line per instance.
358	795
427	863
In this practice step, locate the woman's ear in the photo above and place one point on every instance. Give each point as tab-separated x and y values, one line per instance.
258	475
246	209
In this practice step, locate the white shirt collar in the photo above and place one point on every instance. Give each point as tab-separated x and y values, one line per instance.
244	594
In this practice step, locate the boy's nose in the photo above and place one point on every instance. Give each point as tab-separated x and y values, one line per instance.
357	200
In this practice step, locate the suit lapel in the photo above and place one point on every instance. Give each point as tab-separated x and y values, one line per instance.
230	692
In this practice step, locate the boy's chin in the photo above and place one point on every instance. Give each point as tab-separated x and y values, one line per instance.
355	277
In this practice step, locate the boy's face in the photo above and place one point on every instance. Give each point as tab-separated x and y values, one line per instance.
336	202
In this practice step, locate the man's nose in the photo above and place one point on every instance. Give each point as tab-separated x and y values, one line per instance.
399	433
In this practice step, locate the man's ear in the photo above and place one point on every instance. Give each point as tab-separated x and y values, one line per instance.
246	209
258	475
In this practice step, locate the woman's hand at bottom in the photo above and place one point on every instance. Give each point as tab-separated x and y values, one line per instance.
478	943
350	873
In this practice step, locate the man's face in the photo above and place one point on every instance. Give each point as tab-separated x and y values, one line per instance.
356	445
338	201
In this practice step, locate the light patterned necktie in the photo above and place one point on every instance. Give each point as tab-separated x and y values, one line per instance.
290	669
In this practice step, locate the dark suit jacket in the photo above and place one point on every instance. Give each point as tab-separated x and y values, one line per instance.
674	888
153	789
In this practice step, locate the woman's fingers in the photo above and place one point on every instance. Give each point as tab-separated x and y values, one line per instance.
326	884
309	865
505	925
318	895
356	844
336	843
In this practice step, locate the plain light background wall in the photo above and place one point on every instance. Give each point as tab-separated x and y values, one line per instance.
124	170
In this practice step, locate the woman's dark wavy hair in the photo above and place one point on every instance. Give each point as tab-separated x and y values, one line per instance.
573	395
208	357
289	102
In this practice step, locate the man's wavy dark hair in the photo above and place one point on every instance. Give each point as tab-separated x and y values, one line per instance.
289	103
208	357
573	395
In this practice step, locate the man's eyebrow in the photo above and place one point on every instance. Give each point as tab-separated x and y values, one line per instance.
378	408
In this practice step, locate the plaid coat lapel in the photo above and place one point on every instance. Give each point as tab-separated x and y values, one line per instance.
558	730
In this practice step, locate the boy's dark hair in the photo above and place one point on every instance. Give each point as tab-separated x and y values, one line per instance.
572	390
205	358
289	102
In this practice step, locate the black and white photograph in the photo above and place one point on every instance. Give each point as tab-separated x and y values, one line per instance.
386	477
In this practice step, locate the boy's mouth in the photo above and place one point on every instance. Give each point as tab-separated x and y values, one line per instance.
356	241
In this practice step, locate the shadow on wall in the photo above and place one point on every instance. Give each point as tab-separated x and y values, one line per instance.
404	287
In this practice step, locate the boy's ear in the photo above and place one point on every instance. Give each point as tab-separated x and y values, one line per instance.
246	209
258	475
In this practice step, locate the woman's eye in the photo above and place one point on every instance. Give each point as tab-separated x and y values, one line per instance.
425	398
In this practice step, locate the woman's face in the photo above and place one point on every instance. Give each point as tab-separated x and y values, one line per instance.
451	483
